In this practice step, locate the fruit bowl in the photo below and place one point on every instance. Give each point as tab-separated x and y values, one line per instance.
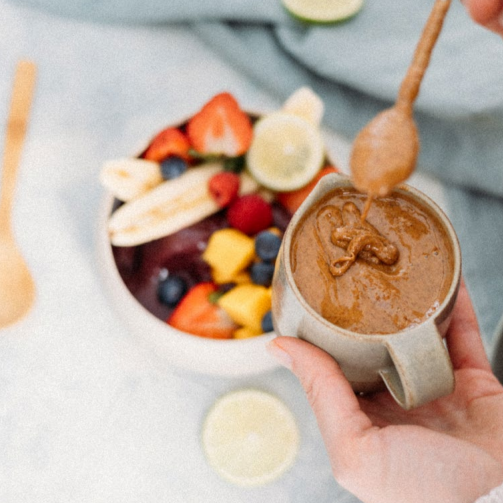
210	356
188	235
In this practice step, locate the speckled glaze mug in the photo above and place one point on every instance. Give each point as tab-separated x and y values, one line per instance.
413	364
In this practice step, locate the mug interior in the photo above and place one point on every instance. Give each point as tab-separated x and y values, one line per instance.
335	181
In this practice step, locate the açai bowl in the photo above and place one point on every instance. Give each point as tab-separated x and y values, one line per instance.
190	228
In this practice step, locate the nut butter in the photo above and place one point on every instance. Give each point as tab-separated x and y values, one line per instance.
375	276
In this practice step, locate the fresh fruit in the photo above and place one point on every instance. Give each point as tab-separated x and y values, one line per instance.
229	252
261	273
293	199
221	127
250	437
246	333
286	153
246	304
172	167
224	187
196	315
170	141
267	244
128	178
250	214
169	207
323	11
306	104
266	323
171	290
221	277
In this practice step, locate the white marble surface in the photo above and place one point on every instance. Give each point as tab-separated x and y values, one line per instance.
86	413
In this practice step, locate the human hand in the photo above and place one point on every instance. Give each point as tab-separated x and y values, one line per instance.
450	450
488	13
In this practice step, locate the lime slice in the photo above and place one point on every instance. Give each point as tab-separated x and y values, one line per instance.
323	11
286	153
306	104
250	437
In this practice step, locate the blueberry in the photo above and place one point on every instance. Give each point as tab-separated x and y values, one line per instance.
261	273
173	167
171	290
267	245
266	322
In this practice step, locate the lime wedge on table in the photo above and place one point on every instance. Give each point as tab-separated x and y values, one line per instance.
323	11
250	437
286	153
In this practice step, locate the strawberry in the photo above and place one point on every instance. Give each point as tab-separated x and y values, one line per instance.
169	142
224	188
292	200
220	127
197	315
250	214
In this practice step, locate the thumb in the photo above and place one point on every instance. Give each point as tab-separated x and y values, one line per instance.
335	405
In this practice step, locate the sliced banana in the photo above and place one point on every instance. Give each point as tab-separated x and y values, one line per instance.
305	103
129	178
169	207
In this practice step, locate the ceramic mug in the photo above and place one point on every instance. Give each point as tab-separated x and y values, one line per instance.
413	364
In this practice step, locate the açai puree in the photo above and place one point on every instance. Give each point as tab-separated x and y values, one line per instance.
402	266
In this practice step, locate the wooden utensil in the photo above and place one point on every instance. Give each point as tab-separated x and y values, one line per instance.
17	289
385	151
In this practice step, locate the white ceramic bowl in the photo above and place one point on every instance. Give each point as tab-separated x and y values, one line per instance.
230	357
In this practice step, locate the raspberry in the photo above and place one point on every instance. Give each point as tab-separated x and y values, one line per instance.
224	188
250	214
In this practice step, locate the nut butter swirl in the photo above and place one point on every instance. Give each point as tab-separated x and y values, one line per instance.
349	231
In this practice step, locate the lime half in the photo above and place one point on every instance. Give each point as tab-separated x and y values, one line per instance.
250	437
286	153
323	11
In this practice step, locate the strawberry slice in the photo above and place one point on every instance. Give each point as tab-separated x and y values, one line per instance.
196	315
169	142
221	127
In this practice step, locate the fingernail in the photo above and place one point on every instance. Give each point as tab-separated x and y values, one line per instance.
280	354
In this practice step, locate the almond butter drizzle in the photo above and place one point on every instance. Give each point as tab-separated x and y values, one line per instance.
347	229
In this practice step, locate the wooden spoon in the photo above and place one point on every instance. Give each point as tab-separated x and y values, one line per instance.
385	151
17	289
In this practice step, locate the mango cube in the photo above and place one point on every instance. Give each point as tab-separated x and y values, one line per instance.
220	277
246	305
246	333
229	252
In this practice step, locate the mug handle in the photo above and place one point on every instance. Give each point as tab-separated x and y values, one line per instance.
422	369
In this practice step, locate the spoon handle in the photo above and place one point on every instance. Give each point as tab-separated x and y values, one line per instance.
17	122
412	81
